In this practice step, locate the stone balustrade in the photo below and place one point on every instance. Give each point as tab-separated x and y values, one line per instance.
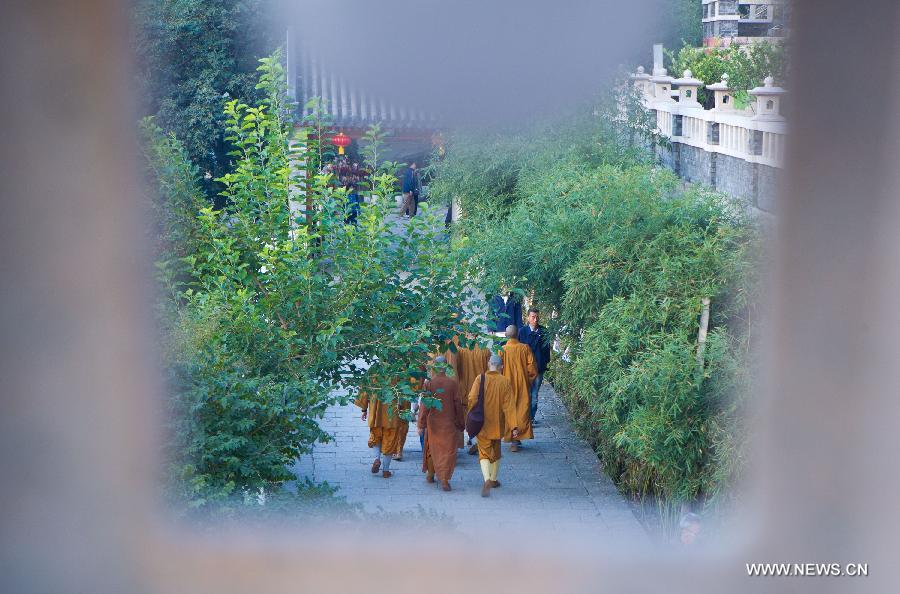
737	151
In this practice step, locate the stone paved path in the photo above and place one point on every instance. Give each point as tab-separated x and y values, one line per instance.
555	483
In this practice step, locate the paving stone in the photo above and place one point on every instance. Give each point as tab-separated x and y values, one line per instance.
554	485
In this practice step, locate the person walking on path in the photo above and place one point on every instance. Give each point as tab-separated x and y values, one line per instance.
470	363
354	204
535	336
441	426
411	187
499	420
520	370
506	310
451	354
416	383
385	429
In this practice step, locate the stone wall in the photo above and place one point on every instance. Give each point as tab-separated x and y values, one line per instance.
696	165
666	156
753	184
769	180
737	178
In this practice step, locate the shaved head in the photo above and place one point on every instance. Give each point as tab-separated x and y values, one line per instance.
512	331
495	362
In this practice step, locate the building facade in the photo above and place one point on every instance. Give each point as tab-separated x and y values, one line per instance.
744	21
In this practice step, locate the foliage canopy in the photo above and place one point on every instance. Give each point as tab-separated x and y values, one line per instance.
271	316
192	57
746	67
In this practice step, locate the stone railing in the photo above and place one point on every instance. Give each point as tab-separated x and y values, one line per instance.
738	151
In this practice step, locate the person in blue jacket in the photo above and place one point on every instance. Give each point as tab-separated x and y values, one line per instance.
536	337
506	311
411	188
354	204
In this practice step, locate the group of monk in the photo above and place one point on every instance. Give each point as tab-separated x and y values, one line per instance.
502	381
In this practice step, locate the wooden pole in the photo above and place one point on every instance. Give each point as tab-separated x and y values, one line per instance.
701	337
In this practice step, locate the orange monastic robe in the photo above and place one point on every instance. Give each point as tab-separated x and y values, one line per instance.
452	358
499	413
441	426
470	364
385	429
519	368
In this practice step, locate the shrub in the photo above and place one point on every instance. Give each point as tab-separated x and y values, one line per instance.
277	313
620	254
746	67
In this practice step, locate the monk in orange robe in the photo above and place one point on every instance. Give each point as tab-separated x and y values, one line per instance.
416	383
452	361
385	430
441	426
470	364
500	417
452	357
520	369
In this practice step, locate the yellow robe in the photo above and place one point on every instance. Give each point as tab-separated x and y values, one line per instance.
452	358
499	413
470	363
455	361
385	429
519	368
441	426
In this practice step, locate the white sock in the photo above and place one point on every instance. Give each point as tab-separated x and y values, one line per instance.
386	461
485	469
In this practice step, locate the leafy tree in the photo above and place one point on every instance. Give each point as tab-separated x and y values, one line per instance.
317	124
373	139
626	122
281	319
684	20
746	67
192	56
178	200
373	142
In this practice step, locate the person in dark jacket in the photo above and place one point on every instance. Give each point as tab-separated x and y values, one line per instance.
411	187
354	204
506	310
535	336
